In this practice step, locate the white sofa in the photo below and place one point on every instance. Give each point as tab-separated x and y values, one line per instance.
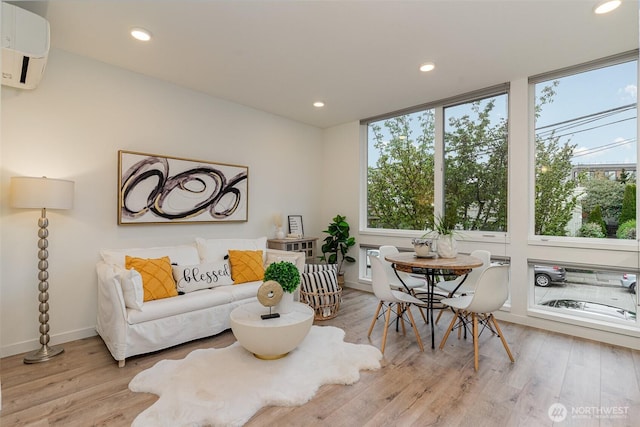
129	329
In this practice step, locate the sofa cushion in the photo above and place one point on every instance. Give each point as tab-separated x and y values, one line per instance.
272	257
239	293
246	266
191	278
157	276
212	250
193	301
132	289
180	255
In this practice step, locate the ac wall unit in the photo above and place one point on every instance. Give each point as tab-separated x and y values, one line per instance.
25	47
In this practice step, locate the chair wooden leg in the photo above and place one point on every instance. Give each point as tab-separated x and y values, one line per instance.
504	342
415	329
464	319
422	314
474	318
375	317
449	329
386	329
420	308
399	312
439	315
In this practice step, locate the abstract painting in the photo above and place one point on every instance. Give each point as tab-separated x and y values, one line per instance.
154	189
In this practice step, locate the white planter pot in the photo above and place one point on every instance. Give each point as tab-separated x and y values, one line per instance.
447	246
285	306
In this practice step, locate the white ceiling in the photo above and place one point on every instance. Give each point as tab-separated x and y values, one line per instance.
360	57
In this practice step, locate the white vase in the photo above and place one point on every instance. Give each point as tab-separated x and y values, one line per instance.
447	246
279	233
285	306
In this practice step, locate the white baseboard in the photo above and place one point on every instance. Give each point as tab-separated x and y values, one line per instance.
573	329
34	344
359	286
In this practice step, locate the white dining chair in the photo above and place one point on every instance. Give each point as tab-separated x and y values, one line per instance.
468	284
390	299
469	281
397	278
491	292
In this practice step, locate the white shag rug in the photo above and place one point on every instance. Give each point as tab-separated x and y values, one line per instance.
227	386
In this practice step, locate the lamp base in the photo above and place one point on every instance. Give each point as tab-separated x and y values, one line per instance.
45	353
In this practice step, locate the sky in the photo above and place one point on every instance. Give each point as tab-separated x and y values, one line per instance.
600	137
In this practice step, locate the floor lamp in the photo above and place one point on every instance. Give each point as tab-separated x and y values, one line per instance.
42	193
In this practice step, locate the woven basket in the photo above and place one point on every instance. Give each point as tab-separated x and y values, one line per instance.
325	304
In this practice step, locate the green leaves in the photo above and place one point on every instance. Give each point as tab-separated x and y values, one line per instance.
337	243
285	273
554	189
476	168
400	186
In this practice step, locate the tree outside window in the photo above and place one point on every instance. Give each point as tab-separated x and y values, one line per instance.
476	153
586	141
400	173
400	180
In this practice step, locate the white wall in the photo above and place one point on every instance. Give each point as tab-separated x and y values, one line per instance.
341	185
72	126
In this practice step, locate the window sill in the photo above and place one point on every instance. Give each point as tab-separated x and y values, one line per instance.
585	243
629	328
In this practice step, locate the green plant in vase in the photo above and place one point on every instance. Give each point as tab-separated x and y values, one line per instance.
444	233
285	273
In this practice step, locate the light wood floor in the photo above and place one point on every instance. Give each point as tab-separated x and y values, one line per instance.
85	387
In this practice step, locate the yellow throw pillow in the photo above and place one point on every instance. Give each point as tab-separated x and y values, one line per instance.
157	276
246	266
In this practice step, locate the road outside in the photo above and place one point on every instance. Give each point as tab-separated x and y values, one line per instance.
598	287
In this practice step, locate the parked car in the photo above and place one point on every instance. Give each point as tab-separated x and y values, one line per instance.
591	307
547	274
629	281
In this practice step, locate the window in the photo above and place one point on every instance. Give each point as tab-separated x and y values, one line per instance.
596	293
476	152
586	150
402	173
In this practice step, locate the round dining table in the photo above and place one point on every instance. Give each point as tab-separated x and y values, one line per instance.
409	262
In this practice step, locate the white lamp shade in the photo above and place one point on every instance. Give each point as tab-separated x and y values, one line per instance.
38	193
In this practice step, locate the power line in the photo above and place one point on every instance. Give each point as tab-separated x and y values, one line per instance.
617	109
604	147
584	130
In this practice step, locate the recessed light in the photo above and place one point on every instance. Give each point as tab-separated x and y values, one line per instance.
318	104
427	67
606	6
141	34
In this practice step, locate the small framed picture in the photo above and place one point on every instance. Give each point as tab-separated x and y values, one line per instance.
295	225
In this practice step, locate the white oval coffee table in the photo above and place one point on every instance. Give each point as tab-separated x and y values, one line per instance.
270	338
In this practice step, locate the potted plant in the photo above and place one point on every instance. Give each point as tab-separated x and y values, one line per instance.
444	233
286	274
337	244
